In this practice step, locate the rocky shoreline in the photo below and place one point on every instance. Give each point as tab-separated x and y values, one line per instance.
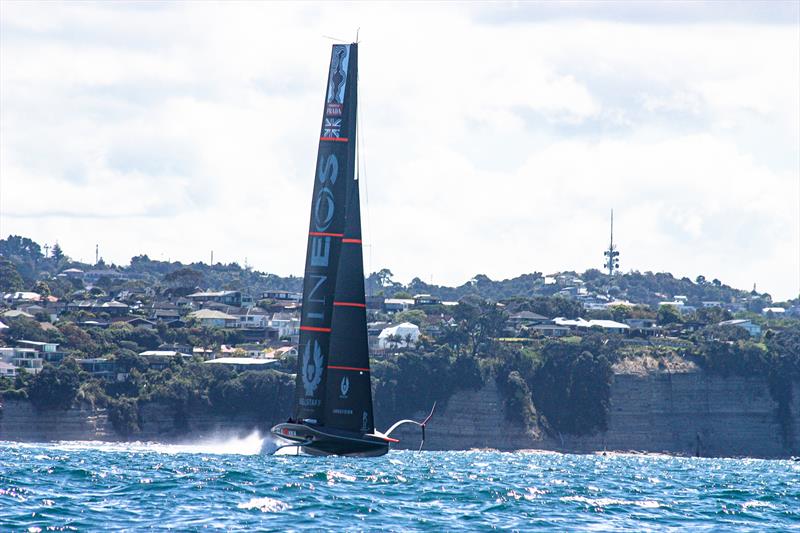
678	413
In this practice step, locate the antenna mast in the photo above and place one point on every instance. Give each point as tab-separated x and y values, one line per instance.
611	262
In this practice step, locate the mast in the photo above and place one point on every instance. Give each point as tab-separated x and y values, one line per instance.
334	171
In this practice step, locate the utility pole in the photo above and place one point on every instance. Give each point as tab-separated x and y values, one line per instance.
611	262
212	258
46	251
96	253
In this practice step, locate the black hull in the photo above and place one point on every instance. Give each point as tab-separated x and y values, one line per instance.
322	441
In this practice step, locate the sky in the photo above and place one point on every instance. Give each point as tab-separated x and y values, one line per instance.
495	137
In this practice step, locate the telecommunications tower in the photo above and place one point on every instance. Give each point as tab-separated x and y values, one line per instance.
611	261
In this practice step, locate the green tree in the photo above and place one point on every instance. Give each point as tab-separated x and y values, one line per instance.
10	280
668	314
415	316
55	387
20	247
42	288
57	253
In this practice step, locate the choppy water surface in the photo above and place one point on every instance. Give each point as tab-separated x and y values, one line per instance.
91	486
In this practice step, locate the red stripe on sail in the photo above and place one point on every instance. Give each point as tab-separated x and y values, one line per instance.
352	241
354	369
335	139
350	304
312	328
323	234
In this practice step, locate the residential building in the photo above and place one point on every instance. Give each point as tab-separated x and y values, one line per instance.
99	367
213	319
393	305
224	297
282	295
14	313
252	318
753	329
20	297
426	299
7	370
242	363
48	351
160	359
288	325
526	317
549	330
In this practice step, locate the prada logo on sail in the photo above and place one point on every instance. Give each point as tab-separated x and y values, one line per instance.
312	368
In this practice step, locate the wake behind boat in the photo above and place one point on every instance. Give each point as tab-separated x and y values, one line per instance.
333	396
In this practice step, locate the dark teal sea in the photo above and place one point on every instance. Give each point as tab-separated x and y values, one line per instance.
80	486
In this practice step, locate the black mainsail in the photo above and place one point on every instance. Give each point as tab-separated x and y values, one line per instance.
335	162
333	397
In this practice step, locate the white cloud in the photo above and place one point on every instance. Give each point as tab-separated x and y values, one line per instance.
175	129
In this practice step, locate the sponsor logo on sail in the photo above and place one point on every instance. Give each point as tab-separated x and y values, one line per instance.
312	368
364	421
344	387
332	127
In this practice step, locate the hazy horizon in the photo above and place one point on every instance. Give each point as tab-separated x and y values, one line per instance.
496	137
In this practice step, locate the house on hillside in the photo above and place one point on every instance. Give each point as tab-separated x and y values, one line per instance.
14	313
213	319
7	370
20	297
47	351
112	308
426	299
233	298
252	318
99	367
393	305
548	330
524	318
27	359
287	296
753	329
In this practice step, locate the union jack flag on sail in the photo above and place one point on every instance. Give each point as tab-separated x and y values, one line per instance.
332	127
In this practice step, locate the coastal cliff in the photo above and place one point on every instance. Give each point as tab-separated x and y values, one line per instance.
678	413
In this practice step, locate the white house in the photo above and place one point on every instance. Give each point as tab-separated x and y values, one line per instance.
399	336
214	319
287	325
753	329
253	318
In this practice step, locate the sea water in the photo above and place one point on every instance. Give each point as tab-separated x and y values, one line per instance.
229	485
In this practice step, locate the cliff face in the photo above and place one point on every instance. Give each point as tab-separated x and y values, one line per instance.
20	421
689	413
655	412
470	419
683	413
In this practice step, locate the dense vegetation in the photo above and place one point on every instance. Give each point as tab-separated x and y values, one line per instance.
562	385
